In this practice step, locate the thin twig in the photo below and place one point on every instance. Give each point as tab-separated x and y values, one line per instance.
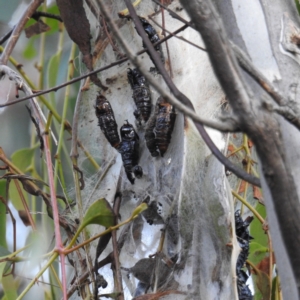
6	36
38	14
167	46
116	264
178	37
17	30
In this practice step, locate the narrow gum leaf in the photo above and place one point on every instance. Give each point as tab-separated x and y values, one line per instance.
100	213
142	207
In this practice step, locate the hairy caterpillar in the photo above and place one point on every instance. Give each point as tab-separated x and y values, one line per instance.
141	94
153	37
243	237
129	149
160	127
106	121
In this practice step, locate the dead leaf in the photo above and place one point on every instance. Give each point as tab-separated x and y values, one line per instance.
78	27
230	148
242	187
257	194
250	143
36	28
24	217
264	264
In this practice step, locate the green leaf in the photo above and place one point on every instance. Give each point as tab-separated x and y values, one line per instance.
30	52
275	289
2	216
261	280
142	207
10	287
52	23
257	252
22	159
3	252
52	69
298	6
100	213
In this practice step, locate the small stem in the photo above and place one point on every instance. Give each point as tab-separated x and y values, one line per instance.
251	208
39	274
32	224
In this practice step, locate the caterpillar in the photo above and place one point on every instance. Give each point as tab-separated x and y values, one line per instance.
129	149
160	127
243	237
153	37
106	121
141	94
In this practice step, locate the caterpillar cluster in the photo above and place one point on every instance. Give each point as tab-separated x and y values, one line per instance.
243	237
159	127
128	146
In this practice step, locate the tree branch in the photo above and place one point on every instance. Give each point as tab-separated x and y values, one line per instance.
290	110
261	125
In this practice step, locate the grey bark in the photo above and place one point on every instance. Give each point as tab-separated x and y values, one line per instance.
265	129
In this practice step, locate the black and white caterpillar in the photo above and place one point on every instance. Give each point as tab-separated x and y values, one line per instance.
141	94
243	237
153	37
106	121
160	127
129	149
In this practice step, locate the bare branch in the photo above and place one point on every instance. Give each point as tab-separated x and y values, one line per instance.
17	30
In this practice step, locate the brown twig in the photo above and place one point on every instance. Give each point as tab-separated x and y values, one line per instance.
17	30
167	46
38	14
6	36
178	37
115	48
14	227
116	264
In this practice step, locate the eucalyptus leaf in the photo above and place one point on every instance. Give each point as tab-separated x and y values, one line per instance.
21	159
10	287
3	252
100	213
257	252
262	282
